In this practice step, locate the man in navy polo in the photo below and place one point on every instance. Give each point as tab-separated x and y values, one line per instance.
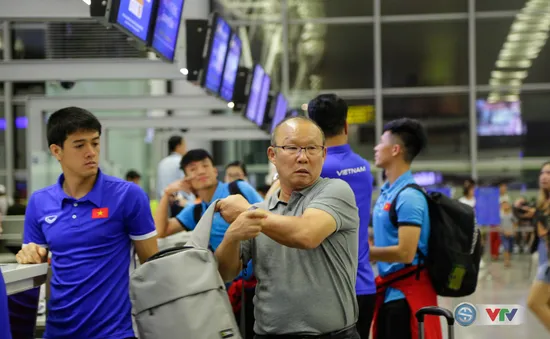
88	221
395	246
330	113
201	179
5	332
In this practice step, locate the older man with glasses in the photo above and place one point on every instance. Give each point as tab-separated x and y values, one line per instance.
302	241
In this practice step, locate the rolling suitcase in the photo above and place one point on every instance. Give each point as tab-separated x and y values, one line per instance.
438	311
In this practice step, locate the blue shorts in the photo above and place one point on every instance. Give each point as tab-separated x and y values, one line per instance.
543	273
507	243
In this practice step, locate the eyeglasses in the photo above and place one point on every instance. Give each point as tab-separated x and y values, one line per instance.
312	150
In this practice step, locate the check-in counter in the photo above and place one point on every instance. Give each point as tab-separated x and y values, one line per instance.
19	278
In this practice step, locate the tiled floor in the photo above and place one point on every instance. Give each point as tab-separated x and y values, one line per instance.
499	285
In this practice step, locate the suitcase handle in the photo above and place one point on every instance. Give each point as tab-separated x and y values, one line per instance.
166	252
434	310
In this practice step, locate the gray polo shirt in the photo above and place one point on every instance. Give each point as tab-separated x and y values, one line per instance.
307	291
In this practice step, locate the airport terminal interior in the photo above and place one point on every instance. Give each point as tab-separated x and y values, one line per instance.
221	74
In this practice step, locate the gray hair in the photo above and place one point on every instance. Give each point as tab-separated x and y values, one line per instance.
299	117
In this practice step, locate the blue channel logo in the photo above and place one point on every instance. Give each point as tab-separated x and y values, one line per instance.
465	314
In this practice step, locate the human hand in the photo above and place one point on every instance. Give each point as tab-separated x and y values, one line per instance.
180	185
232	206
32	254
247	225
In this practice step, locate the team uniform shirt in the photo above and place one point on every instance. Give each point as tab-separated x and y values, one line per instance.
90	240
412	210
343	163
5	332
219	225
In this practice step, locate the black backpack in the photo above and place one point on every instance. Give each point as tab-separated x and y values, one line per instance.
233	189
454	246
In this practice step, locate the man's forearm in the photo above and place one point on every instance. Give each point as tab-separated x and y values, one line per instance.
161	216
286	230
388	254
229	259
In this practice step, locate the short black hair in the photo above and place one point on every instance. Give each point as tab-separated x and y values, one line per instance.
237	163
411	134
193	155
67	121
132	174
174	142
330	112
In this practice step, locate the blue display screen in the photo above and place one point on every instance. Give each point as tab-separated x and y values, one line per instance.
165	36
135	16
262	102
220	41
231	67
280	111
254	95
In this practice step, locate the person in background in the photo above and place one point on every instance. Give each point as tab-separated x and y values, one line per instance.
235	170
19	207
302	242
468	194
396	247
5	201
169	171
539	296
330	113
133	176
262	190
88	221
201	178
508	227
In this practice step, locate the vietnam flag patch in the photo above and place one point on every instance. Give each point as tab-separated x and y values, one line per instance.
387	206
100	213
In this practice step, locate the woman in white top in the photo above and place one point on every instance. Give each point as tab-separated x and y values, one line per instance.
469	197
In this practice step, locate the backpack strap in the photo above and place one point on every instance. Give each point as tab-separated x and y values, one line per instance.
393	209
197	212
234	188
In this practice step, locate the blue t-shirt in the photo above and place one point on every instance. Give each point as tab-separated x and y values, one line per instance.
90	240
343	163
412	209
5	332
187	218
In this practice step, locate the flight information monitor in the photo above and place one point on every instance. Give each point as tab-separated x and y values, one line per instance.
231	67
262	101
167	26
254	94
135	16
280	111
219	41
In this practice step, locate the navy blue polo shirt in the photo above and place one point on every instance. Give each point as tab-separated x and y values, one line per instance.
90	242
219	225
343	163
5	332
412	210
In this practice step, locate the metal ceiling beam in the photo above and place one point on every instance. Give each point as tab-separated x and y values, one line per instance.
88	69
126	103
43	10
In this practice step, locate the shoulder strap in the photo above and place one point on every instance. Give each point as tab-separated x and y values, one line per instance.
393	211
234	188
197	212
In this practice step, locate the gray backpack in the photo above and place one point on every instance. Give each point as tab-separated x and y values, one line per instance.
179	294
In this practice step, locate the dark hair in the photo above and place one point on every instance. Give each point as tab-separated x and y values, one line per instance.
174	142
237	163
411	134
67	121
263	189
330	112
194	155
132	174
466	189
299	117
